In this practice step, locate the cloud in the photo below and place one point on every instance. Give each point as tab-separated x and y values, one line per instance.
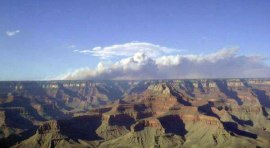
12	33
129	49
224	63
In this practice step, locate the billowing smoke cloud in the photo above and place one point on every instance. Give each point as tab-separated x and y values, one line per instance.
222	64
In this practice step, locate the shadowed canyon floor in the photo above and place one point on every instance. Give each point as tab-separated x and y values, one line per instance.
146	113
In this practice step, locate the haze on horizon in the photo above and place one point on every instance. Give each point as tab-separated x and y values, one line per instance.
44	40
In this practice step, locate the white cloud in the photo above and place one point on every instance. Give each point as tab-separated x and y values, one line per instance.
129	49
82	51
12	33
221	64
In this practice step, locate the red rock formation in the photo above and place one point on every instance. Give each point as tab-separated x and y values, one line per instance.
201	118
148	122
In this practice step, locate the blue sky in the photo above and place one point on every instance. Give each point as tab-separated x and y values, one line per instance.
41	47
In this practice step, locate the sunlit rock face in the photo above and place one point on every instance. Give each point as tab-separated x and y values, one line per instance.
149	113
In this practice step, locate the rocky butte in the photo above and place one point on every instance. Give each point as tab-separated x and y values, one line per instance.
145	113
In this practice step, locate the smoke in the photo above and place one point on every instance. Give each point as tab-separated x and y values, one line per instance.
143	65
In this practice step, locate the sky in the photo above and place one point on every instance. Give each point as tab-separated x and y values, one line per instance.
124	39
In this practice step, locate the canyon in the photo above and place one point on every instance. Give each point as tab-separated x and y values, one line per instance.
135	113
